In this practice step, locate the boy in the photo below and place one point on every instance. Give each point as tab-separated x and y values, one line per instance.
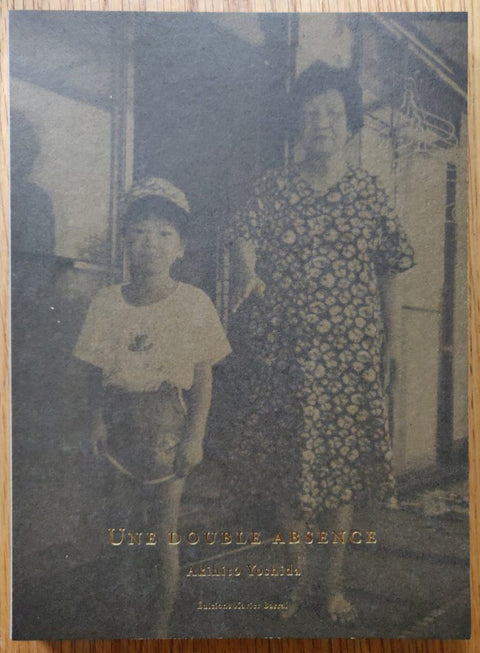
153	341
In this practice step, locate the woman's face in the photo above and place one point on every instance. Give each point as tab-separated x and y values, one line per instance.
153	246
325	131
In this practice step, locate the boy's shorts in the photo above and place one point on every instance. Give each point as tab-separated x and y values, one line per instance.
144	430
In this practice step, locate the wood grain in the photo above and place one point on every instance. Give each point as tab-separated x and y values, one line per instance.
250	646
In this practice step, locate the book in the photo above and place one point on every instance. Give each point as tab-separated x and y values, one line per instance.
239	347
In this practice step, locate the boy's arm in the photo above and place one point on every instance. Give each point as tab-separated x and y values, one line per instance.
98	433
198	400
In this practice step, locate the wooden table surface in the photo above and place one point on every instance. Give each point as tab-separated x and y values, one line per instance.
231	645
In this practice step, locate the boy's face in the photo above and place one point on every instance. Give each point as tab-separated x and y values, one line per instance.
153	246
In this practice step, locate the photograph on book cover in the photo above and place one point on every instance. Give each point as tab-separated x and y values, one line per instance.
239	325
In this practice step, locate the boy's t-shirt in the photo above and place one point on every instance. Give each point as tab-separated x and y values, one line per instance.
140	347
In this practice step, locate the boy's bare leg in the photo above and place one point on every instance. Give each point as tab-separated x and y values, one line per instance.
168	556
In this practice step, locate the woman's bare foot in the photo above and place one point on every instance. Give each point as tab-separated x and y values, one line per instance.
293	607
341	610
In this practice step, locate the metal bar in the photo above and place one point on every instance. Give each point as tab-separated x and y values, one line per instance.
423	53
445	378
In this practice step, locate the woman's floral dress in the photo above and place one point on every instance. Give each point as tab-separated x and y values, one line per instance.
317	337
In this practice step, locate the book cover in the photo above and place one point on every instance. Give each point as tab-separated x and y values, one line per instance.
239	343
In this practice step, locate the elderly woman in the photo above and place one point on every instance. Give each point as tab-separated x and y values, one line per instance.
311	249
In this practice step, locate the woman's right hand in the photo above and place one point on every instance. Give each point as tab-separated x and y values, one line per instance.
253	285
246	281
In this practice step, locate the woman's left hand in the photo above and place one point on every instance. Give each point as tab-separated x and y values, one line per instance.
189	455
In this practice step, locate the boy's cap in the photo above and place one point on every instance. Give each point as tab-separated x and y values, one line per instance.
158	187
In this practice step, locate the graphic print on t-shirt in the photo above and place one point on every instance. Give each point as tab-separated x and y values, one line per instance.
139	342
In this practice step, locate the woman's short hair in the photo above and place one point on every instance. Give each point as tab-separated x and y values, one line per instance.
159	208
320	78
